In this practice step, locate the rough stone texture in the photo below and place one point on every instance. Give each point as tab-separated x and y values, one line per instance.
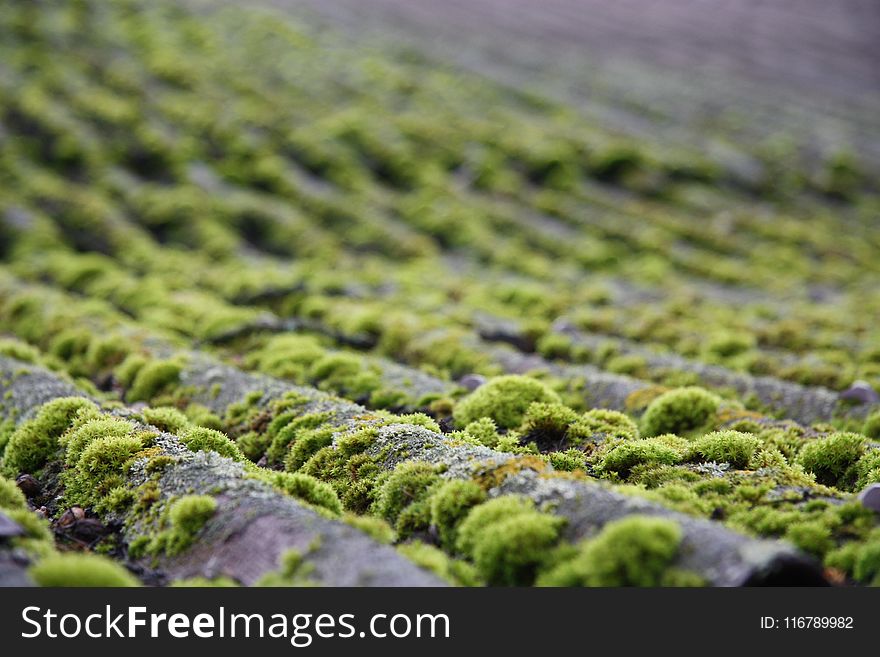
253	524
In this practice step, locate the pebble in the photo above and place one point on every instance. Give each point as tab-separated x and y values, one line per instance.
870	497
9	528
861	392
472	381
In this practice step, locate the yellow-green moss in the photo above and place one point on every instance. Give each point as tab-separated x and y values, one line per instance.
505	399
679	411
80	570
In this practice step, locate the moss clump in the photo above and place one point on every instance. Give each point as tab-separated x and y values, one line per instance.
504	399
811	536
153	378
102	466
186	516
485	514
289	432
508	539
509	552
653	451
454	571
871	428
201	439
634	551
80	570
547	425
80	437
306	488
344	466
34	442
166	418
450	503
306	445
484	431
376	528
11	496
293	570
833	459
733	447
600	423
679	411
408	484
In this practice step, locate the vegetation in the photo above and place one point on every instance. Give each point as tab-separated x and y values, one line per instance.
414	302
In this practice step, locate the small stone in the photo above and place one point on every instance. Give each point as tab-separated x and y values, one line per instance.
870	498
29	485
472	381
9	528
70	517
861	392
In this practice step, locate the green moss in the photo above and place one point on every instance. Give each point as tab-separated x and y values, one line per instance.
483	515
871	428
187	516
289	433
293	570
484	431
201	439
600	423
504	399
344	466
307	444
812	536
376	528
80	570
679	411
633	551
36	441
201	416
306	488
11	496
510	551
102	466
625	456
568	461
407	484
547	425
78	438
19	350
454	571
153	378
733	447
833	459
166	418
450	502
129	368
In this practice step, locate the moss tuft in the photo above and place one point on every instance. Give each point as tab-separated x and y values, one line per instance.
35	441
153	378
679	411
306	488
450	503
409	483
833	459
202	439
166	418
733	447
454	571
505	399
634	551
80	570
